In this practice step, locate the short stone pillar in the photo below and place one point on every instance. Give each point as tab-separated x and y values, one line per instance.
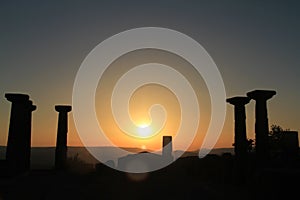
61	140
19	136
261	122
167	149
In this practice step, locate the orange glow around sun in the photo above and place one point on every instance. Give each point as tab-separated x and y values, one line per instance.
142	100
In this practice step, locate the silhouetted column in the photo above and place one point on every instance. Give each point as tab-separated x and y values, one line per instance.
19	136
240	136
167	148
261	121
61	140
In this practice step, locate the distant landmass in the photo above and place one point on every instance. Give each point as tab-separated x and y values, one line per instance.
43	157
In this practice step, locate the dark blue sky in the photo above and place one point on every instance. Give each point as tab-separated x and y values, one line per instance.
255	44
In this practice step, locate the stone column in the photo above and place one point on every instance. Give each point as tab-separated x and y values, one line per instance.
61	140
240	136
261	121
167	148
19	136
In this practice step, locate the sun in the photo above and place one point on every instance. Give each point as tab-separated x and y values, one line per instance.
143	125
144	130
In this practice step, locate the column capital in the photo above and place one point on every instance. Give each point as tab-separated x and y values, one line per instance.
261	94
15	97
31	107
238	101
63	108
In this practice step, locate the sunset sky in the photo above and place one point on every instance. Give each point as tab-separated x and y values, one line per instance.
255	45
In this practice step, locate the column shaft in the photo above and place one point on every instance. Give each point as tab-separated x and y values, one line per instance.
240	137
61	140
167	148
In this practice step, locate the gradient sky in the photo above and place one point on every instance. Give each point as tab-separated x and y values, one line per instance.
255	45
